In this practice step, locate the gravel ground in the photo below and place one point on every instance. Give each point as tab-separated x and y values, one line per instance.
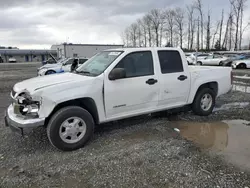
139	152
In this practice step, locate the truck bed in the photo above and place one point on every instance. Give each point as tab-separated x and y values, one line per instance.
219	75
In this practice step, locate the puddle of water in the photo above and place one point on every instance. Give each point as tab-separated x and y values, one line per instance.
242	88
235	105
228	138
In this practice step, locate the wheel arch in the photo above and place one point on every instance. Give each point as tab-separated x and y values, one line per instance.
87	103
242	63
49	71
213	85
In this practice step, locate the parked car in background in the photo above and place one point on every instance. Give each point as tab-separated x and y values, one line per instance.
231	57
242	63
212	60
191	59
12	60
60	67
113	85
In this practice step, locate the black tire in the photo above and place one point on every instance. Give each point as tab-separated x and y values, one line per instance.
50	72
59	117
196	106
221	64
242	66
199	63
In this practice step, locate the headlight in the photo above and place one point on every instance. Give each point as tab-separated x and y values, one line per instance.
27	106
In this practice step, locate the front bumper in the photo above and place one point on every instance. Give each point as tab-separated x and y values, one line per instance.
18	124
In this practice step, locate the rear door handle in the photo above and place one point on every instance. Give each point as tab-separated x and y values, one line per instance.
182	77
151	81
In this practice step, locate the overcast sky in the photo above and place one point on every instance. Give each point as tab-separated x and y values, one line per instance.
41	23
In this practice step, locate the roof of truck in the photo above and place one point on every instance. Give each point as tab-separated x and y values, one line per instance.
142	49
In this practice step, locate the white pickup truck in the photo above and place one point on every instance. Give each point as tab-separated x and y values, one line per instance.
113	85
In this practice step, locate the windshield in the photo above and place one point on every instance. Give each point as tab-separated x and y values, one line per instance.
99	63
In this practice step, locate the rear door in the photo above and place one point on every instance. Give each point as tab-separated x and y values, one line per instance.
174	79
135	94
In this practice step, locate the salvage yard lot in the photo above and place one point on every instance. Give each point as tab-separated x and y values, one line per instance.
145	151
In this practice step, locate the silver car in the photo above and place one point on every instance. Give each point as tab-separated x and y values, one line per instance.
60	67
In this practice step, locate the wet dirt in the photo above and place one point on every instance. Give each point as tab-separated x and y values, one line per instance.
229	139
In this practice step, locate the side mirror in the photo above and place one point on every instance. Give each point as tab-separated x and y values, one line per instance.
117	73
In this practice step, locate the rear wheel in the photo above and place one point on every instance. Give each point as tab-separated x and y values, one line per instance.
70	128
199	63
221	64
242	66
204	102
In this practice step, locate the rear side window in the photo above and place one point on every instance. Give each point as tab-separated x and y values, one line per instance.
137	64
170	61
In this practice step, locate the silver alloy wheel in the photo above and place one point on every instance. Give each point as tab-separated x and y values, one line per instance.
206	102
72	130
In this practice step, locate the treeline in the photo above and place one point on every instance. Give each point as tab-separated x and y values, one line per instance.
189	28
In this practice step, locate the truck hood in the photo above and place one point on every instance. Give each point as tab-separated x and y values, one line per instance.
37	83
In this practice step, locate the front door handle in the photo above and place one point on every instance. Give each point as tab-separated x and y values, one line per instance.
151	81
182	77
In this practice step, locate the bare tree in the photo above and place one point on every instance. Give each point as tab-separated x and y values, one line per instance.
198	34
241	25
237	6
215	32
198	6
134	29
221	26
147	21
230	31
191	26
208	32
179	22
156	20
170	14
143	27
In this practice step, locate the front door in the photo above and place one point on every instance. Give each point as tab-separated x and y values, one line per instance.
175	80
66	67
135	94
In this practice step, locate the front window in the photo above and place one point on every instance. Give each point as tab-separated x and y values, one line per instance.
99	63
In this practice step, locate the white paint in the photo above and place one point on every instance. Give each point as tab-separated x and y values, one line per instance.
126	97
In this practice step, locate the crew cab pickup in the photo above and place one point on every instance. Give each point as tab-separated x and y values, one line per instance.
112	85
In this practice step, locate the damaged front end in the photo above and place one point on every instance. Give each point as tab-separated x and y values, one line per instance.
26	106
23	113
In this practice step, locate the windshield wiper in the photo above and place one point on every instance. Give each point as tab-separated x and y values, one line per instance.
87	72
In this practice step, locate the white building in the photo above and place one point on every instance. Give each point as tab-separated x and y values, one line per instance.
81	50
26	55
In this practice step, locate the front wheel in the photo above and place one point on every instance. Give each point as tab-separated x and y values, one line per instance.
50	72
204	102
70	128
